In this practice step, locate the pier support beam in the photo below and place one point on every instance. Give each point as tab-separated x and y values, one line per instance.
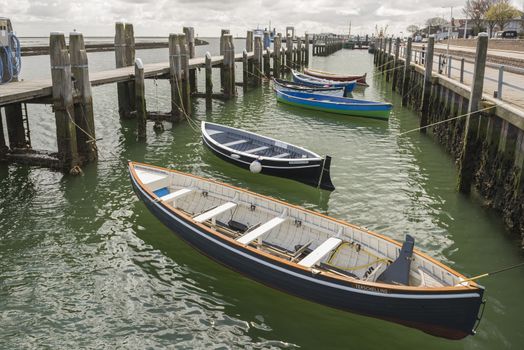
141	112
389	59
222	50
258	61
396	64
209	81
63	102
466	165
175	78
245	71
229	67
250	48
267	66
184	62
277	44
426	94
407	73
84	116
190	37
15	126
3	145
124	55
306	52
289	52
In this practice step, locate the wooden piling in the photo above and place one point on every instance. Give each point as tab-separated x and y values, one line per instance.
15	125
222	49
175	78
84	116
306	52
407	72
184	61
395	64
245	71
389	59
209	81
426	94
298	61
122	54
63	102
267	66
277	44
190	37
228	67
140	98
466	164
289	52
258	61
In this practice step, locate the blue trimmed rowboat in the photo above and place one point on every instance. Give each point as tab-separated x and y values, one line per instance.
287	85
332	104
311	255
262	154
316	82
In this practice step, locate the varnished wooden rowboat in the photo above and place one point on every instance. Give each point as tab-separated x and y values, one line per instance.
317	82
286	85
361	79
310	255
262	154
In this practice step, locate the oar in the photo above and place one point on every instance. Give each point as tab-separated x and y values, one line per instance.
493	272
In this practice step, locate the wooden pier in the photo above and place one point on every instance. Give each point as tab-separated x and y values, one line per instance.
484	134
69	89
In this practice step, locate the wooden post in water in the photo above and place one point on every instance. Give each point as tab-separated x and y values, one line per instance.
298	61
289	52
190	36
229	82
15	126
389	59
426	94
175	78
407	73
121	56
222	50
209	81
395	64
470	143
84	116
184	61
250	48
277	44
63	102
245	71
258	60
130	61
140	97
3	145
306	52
267	66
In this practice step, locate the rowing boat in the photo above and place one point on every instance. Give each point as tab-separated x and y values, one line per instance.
287	85
311	255
332	104
316	82
361	79
262	154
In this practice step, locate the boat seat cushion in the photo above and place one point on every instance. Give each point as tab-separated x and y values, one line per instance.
319	252
398	271
161	192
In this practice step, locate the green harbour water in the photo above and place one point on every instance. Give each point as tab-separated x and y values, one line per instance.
83	264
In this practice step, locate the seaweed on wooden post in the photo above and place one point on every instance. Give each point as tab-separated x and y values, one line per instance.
175	77
190	36
426	94
184	61
469	148
395	64
141	112
63	102
407	73
84	115
209	81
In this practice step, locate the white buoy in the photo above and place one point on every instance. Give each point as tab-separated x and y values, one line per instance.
255	167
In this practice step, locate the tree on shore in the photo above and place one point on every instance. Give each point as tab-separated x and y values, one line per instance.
501	13
413	28
476	10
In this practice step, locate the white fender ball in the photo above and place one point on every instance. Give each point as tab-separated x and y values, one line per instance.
255	167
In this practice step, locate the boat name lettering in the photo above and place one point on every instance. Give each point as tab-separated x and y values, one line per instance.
371	289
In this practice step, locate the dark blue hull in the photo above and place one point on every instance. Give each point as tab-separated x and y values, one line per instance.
446	314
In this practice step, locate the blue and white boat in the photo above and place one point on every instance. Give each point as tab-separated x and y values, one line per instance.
317	82
286	85
333	104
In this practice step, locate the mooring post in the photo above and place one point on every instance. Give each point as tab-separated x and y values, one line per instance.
190	37
298	62
184	61
407	73
306	53
245	71
470	143
267	65
14	118
3	145
209	81
426	94
396	64
140	97
222	50
229	83
390	59
122	54
232	64
289	52
84	116
277	44
63	102
175	78
258	61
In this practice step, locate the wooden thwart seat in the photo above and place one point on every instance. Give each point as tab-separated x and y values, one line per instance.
259	231
322	250
214	212
234	143
174	195
281	155
258	149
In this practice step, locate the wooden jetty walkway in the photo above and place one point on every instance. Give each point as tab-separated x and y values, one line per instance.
69	89
484	134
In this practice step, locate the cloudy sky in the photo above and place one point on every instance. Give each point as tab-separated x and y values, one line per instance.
160	17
